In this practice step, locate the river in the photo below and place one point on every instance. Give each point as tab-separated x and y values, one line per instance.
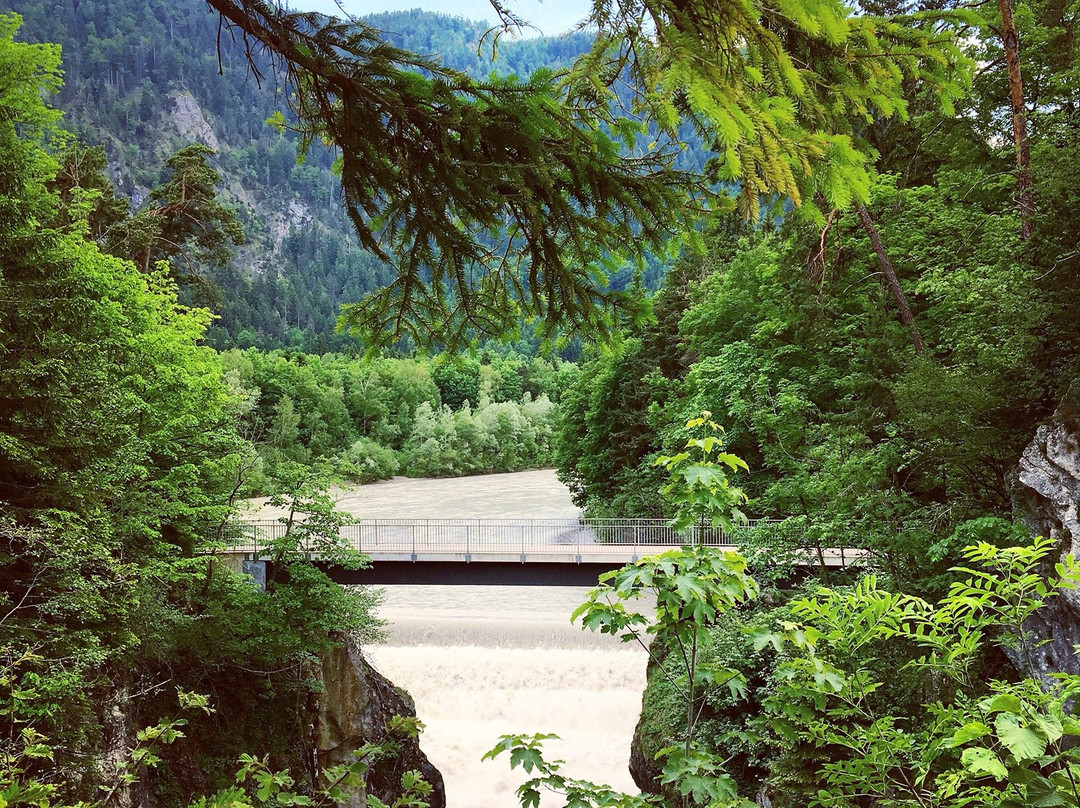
483	661
535	494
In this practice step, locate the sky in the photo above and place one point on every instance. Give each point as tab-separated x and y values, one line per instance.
552	17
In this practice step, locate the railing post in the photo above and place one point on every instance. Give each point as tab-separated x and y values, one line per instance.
412	532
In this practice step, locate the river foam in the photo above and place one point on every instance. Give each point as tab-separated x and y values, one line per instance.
486	661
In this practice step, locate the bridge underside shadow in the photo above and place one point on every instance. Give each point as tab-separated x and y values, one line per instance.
489	573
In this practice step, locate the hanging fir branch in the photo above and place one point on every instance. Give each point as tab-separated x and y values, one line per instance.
494	200
511	199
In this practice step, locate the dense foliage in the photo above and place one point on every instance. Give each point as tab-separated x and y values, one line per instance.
888	416
374	419
848	697
120	440
789	334
879	358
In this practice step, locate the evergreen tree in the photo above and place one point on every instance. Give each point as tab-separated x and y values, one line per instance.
433	163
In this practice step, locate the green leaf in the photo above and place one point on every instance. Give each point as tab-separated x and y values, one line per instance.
979	761
1049	726
528	759
1023	743
762	637
1042	793
969	732
1001	702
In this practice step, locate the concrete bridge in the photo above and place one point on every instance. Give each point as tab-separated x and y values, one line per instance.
501	551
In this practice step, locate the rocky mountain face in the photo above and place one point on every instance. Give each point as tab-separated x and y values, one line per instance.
145	79
1046	493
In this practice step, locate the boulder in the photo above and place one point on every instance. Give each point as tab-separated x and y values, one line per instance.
643	768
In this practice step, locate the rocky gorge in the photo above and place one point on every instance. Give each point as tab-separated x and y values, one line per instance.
349	706
354	708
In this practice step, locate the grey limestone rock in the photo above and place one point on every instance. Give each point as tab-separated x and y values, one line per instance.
1045	493
353	709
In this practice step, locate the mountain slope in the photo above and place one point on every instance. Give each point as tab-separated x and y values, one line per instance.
145	78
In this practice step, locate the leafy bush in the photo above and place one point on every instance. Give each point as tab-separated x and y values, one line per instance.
366	462
868	697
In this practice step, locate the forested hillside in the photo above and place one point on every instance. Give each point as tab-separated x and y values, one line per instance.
887	366
142	79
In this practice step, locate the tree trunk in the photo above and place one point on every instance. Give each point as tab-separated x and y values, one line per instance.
821	565
118	737
1011	43
889	279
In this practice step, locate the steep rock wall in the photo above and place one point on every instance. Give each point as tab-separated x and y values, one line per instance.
643	767
353	709
650	735
1045	493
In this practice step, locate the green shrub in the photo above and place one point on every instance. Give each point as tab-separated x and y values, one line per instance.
366	462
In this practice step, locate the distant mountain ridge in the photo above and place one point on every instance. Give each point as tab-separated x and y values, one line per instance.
143	79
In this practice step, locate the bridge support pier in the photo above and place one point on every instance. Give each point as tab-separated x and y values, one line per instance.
256	570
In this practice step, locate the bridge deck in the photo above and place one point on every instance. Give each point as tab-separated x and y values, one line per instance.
597	542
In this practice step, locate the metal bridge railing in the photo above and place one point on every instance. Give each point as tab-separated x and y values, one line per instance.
490	536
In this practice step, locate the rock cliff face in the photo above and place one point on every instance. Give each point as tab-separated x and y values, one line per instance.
1046	491
650	735
643	768
353	709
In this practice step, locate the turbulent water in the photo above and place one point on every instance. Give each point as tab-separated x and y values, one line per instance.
485	661
535	494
